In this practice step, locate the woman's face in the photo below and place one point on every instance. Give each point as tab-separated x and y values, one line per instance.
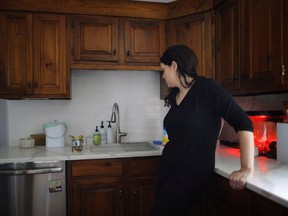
170	75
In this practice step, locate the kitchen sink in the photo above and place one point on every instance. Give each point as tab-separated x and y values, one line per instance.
138	146
124	147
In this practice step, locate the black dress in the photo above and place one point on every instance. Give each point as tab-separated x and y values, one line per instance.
188	159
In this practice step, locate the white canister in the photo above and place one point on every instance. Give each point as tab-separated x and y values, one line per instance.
55	133
282	142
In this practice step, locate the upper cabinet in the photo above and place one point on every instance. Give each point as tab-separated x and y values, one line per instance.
95	38
262	44
33	59
105	42
227	52
285	44
251	36
195	31
144	41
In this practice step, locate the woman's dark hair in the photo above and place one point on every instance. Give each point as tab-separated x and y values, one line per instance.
186	61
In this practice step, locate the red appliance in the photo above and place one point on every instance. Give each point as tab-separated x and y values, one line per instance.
264	123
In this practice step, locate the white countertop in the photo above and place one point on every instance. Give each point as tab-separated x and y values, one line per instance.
270	176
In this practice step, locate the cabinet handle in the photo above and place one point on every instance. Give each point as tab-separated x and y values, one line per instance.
128	53
114	52
120	193
135	191
35	85
283	74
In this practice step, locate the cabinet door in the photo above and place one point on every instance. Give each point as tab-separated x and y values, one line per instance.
97	197
95	38
227	28
195	31
49	37
285	45
16	54
262	42
143	195
223	200
144	41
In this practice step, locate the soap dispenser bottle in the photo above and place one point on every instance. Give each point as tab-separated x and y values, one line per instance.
110	134
96	137
103	133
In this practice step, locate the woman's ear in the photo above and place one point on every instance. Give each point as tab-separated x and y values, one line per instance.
174	65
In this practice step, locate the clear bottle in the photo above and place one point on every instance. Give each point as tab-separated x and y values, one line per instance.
96	137
103	133
110	134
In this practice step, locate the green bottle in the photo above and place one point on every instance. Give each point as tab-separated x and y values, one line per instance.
96	137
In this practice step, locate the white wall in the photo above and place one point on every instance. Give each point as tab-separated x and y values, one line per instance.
93	94
3	123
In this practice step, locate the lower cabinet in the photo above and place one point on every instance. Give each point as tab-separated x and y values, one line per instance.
111	186
222	200
126	187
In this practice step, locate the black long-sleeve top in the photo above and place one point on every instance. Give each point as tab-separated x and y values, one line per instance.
193	127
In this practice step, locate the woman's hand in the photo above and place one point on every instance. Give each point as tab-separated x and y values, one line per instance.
239	178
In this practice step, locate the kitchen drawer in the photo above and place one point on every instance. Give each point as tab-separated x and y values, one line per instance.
97	168
144	166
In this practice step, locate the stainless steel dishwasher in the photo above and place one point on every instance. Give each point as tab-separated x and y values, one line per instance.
33	188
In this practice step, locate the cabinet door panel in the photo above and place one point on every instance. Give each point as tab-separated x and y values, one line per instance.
16	56
196	32
228	46
143	195
49	61
285	45
95	38
263	66
98	197
144	41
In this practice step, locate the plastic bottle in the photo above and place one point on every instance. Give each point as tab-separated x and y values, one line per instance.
110	134
165	138
96	137
103	133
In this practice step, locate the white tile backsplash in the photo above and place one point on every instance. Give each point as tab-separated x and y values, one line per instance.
93	94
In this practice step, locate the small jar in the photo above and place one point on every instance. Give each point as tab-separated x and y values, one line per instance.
77	143
26	143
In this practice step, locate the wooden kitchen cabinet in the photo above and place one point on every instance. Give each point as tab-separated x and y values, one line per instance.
227	52
222	200
113	42
33	61
285	45
96	187
95	38
251	44
261	45
144	41
111	186
195	31
142	184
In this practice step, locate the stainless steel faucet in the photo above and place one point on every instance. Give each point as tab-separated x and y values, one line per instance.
115	118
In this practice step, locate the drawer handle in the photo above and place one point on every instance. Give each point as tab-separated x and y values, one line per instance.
120	193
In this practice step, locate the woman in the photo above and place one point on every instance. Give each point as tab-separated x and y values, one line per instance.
193	123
